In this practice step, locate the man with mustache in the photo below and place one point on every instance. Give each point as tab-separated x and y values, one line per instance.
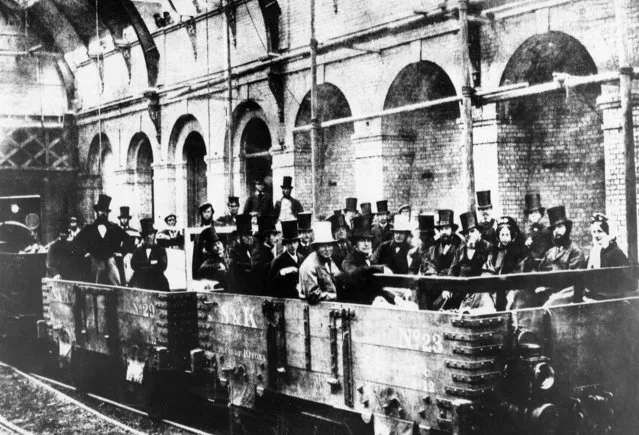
486	224
563	255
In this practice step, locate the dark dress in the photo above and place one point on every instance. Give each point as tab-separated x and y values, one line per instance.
202	246
261	258
284	286
148	272
241	277
610	287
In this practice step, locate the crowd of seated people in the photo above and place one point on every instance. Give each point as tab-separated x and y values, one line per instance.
337	256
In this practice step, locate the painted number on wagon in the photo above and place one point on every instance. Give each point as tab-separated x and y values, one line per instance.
146	310
419	339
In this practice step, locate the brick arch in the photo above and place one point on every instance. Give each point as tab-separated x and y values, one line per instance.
423	145
552	143
138	144
99	148
183	127
417	82
335	159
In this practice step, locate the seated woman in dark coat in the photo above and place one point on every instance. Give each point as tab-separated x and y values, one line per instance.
149	261
508	255
606	253
215	264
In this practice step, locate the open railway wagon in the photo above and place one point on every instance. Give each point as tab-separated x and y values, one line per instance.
20	300
284	366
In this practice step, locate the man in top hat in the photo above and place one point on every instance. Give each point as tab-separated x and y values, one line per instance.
287	208
261	201
202	247
63	260
441	254
241	277
395	253
264	252
563	255
284	274
350	211
469	259
340	233
538	238
318	273
101	240
170	237
74	229
149	261
206	214
486	224
358	285
305	234
427	238
383	230
228	219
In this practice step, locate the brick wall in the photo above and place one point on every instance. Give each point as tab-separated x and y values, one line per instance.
558	153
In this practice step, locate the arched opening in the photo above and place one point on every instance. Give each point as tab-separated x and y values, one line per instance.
335	158
552	143
193	155
256	142
102	164
422	144
140	160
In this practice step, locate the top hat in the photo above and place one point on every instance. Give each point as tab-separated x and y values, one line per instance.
483	200
351	205
124	212
447	218
557	215
289	231
205	206
382	206
266	225
304	221
323	233
533	203
402	207
146	226
366	207
166	219
401	224
287	182
243	224
104	201
426	223
234	200
468	221
337	221
259	180
362	226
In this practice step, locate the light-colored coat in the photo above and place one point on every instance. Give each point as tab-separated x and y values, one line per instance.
315	282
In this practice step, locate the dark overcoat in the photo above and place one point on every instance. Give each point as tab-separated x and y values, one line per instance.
148	272
284	286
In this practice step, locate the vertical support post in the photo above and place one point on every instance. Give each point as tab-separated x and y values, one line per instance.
627	127
468	167
229	97
315	125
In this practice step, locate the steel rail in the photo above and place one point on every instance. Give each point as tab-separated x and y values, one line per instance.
73	401
7	425
119	405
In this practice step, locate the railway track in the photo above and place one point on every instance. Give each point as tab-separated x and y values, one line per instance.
43	408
